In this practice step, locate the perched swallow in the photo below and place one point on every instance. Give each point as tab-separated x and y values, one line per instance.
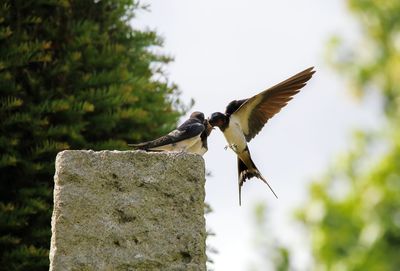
201	146
191	136
244	119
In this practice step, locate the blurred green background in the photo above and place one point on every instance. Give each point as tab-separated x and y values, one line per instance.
353	211
78	75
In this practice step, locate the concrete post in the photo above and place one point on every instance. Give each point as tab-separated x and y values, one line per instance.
128	210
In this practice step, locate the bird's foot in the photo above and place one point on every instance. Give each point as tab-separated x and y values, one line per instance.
231	146
234	147
180	152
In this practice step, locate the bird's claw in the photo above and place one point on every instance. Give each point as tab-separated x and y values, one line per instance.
232	146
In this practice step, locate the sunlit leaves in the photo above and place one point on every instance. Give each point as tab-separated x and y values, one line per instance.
360	228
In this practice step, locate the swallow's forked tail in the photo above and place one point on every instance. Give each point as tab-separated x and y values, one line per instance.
145	146
245	173
140	146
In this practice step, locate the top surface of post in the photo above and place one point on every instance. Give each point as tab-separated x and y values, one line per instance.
128	210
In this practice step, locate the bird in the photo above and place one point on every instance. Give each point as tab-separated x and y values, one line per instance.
244	119
190	137
201	146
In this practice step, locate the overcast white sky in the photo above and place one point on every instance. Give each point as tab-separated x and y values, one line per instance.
230	49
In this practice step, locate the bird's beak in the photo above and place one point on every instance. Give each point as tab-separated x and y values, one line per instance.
209	127
208	121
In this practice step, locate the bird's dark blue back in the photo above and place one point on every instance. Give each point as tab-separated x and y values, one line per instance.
233	106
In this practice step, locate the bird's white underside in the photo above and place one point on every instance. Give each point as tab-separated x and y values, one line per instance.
242	115
198	148
234	135
184	145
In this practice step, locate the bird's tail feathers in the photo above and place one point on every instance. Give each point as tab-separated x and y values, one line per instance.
140	146
146	146
258	175
136	146
242	169
246	173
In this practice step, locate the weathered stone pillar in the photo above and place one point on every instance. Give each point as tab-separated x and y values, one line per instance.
128	210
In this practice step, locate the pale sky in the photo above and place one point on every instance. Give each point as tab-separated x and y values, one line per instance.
229	49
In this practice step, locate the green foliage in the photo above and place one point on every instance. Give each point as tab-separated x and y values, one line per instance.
374	62
354	212
73	75
272	255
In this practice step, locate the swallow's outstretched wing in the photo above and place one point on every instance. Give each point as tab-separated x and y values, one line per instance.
254	112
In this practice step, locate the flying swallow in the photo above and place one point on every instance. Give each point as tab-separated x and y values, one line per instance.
191	136
244	119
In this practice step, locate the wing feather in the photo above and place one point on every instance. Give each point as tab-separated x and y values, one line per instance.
254	112
188	129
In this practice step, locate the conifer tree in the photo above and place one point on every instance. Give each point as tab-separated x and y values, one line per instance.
74	74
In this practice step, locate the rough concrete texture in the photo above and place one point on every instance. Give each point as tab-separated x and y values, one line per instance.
128	210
